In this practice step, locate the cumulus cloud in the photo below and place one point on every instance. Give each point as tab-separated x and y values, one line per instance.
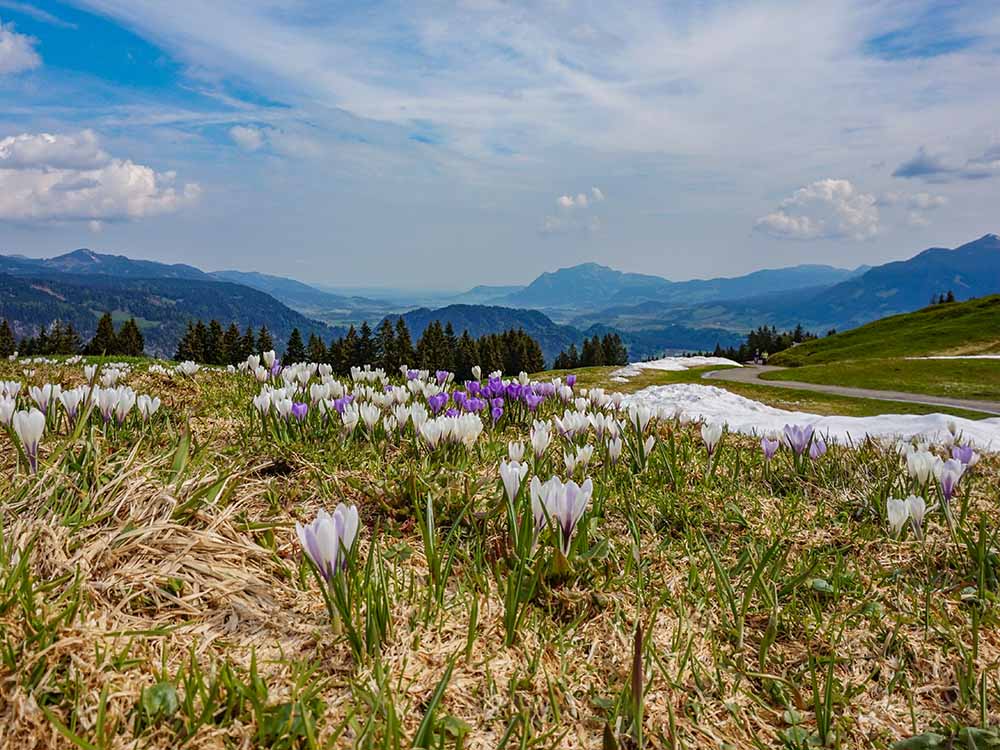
570	216
247	137
826	208
52	178
17	51
580	200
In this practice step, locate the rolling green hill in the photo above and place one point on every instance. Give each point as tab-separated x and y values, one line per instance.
971	327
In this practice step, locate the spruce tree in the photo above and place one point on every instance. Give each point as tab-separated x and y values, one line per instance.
7	343
404	344
215	353
248	344
186	347
350	356
466	356
385	348
366	345
295	350
264	341
231	346
316	351
104	341
130	342
201	343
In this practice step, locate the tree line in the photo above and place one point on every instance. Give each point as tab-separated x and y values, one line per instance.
63	338
596	352
763	342
389	347
943	299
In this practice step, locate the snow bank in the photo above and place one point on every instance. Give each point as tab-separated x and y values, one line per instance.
669	364
706	402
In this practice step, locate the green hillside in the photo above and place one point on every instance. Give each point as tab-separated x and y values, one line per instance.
971	327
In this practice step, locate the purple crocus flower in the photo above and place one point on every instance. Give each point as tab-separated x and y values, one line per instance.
276	367
963	453
798	437
437	401
497	412
770	447
571	380
533	401
452	412
473	387
459	397
299	410
441	376
474	404
412	374
817	449
951	473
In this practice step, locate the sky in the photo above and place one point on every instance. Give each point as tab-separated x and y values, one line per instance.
442	145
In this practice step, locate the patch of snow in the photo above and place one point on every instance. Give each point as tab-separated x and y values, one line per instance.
960	356
669	364
709	403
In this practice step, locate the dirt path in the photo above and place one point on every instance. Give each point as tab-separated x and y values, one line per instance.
752	373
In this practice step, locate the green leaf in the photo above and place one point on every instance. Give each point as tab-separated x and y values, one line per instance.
160	700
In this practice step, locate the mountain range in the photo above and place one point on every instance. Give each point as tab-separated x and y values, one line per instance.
653	314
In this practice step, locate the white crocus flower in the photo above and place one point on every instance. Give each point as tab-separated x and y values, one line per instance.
477	372
897	512
29	427
916	507
7	408
147	405
370	415
541	436
515	451
614	449
711	434
512	475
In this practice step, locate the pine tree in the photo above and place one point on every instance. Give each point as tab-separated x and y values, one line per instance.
295	350
350	356
316	351
130	342
264	341
215	353
104	341
232	346
187	348
366	345
385	348
248	344
7	343
200	342
404	344
466	356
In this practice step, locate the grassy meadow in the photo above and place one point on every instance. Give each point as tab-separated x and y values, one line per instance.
155	591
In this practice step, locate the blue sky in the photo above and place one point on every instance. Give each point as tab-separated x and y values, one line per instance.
450	144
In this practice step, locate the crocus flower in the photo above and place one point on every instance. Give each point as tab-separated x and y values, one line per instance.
29	427
965	454
541	436
7	408
565	509
147	406
916	507
328	540
437	401
512	474
614	449
920	465
571	380
770	447
477	372
950	473
798	437
711	434
817	448
299	410
533	401
897	512
515	450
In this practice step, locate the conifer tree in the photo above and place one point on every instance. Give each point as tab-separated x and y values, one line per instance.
264	341
350	351
231	346
404	344
385	348
316	350
104	341
366	345
129	340
248	344
295	350
7	343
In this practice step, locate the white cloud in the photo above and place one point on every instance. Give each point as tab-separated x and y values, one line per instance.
825	208
597	193
565	201
17	51
52	178
247	137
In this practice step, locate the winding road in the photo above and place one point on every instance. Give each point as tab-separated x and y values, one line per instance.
752	373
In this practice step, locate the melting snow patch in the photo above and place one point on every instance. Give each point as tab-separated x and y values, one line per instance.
669	364
960	356
709	403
